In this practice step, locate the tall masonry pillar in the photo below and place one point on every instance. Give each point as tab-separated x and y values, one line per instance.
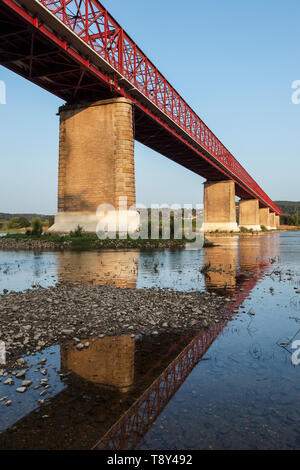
264	217
272	221
96	162
277	221
219	206
249	214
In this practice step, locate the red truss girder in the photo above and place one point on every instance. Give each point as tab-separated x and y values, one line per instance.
128	65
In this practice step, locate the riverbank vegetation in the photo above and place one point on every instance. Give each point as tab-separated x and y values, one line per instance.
23	223
291	220
34	235
291	213
84	242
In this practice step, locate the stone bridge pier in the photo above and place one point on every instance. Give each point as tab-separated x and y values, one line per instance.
249	214
220	212
219	206
269	219
96	162
273	221
264	217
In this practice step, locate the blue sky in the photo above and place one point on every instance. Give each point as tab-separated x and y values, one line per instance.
233	61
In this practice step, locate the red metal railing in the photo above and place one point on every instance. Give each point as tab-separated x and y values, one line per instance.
90	21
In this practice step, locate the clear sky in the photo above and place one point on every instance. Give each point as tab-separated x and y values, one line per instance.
233	61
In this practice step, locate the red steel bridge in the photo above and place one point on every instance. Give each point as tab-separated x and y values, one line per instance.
76	50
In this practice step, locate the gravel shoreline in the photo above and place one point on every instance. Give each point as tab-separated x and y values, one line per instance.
35	319
35	245
16	244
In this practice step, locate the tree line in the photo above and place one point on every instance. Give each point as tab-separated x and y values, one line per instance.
291	212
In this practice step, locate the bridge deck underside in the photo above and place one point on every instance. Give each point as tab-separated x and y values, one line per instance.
30	54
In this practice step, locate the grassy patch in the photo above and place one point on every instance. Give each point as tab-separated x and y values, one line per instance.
92	242
12	230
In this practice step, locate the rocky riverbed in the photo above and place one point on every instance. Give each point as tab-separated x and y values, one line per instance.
87	243
31	244
35	319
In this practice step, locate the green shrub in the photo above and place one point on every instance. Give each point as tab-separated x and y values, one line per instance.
37	227
246	230
78	232
263	228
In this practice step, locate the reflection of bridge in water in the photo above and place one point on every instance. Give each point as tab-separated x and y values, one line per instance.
235	266
251	258
130	381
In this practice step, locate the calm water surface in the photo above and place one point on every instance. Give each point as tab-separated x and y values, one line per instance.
237	387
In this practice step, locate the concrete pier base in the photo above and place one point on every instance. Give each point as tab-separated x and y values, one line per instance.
264	217
249	214
96	162
219	206
118	221
221	227
277	221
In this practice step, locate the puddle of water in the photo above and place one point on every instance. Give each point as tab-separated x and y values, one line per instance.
230	387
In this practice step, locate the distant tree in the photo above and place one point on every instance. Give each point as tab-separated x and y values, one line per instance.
288	207
290	219
51	220
295	219
24	222
18	222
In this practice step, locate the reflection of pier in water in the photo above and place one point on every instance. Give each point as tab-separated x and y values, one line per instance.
231	263
222	262
118	268
107	361
129	382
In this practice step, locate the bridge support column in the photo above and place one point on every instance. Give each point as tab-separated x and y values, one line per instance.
264	217
272	221
277	221
96	162
249	214
219	206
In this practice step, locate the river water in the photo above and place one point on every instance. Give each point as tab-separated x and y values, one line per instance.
233	386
